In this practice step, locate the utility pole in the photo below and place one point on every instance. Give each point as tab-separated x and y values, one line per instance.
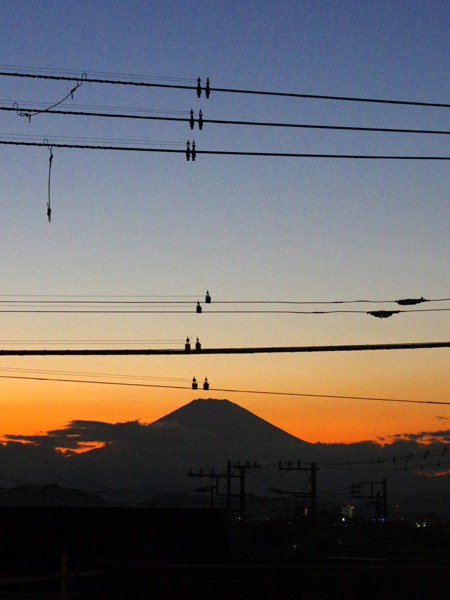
367	490
230	473
64	577
209	488
312	480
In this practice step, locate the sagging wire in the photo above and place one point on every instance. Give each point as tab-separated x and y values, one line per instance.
49	208
38	112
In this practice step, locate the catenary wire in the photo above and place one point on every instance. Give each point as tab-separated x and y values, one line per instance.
149	385
224	90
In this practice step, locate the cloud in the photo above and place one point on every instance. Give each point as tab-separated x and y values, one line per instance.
426	437
80	435
83	435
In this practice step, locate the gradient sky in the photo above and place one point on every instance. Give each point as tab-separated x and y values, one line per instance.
246	228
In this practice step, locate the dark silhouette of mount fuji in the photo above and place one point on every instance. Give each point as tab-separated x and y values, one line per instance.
203	434
229	421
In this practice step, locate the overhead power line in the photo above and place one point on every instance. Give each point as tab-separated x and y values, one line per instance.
171	311
208	89
23	111
82	299
255	350
234	391
224	152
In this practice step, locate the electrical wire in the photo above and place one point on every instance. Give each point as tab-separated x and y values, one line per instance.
99	296
229	152
22	111
208	88
97	73
218	302
90	374
138	311
90	341
33	112
252	350
147	385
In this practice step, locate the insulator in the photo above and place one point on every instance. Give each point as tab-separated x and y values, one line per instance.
191	120
199	87
207	88
207	298
193	150
198	346
200	120
194	384
206	384
188	151
199	307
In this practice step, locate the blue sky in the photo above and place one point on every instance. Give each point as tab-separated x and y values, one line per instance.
246	228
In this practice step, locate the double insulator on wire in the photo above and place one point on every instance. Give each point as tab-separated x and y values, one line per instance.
190	153
195	384
187	345
199	120
199	88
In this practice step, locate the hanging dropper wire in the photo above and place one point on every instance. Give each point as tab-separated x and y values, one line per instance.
49	208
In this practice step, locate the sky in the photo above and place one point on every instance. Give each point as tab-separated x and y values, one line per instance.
153	226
